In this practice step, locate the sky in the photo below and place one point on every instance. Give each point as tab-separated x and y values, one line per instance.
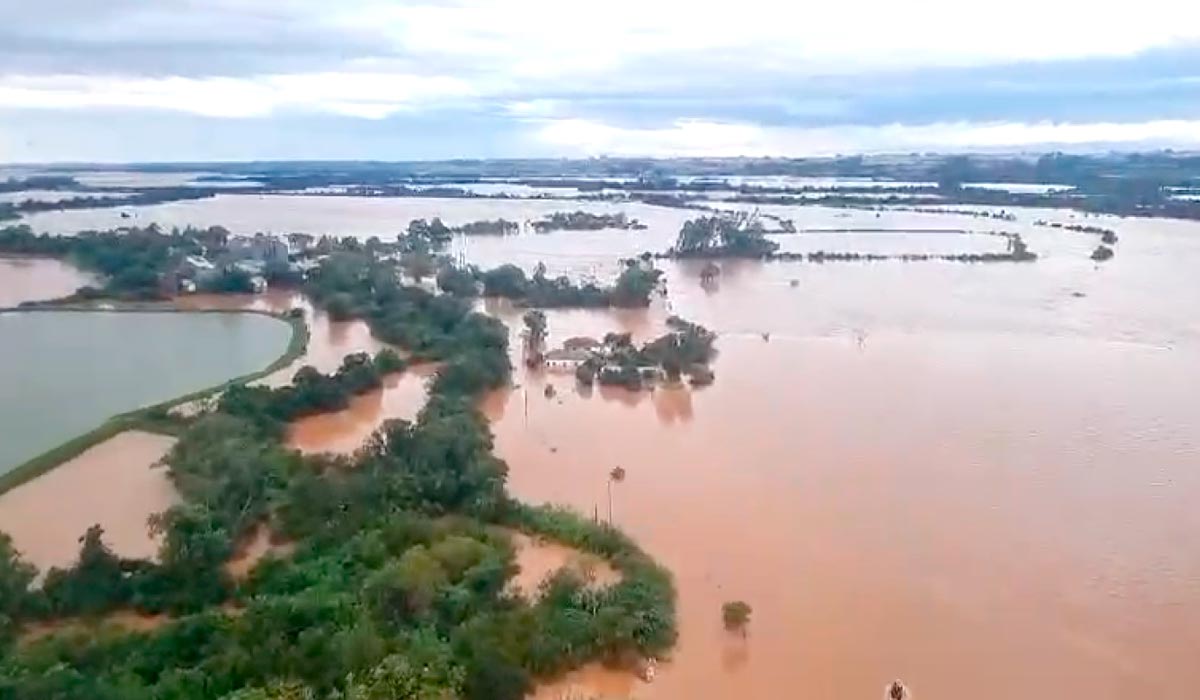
195	80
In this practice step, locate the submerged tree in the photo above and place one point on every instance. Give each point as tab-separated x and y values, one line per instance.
736	615
733	234
535	332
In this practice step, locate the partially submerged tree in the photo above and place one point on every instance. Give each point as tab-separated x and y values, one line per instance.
736	615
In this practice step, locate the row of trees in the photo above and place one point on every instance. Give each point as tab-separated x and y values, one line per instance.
585	221
310	391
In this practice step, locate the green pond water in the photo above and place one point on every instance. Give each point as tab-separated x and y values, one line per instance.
64	373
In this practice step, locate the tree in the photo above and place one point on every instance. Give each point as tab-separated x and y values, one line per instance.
507	281
458	281
16	598
340	306
94	585
418	264
734	234
616	476
426	671
635	285
535	329
736	615
406	587
388	361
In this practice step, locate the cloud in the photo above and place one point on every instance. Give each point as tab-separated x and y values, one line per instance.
367	95
712	139
693	74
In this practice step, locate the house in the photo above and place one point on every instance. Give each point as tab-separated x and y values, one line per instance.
258	284
581	342
187	286
566	360
261	247
304	266
300	242
250	267
197	268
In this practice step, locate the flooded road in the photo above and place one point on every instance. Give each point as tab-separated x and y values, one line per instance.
977	478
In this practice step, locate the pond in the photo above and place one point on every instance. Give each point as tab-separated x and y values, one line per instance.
65	373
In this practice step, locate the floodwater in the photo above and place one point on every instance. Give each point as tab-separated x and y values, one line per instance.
257	546
538	558
64	373
114	484
401	397
335	215
53	195
977	478
37	279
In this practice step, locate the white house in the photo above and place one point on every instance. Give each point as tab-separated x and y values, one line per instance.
565	360
198	268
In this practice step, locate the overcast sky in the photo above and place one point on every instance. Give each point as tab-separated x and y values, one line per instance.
160	80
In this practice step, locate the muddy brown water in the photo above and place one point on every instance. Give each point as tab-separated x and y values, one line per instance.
538	558
36	279
977	478
114	484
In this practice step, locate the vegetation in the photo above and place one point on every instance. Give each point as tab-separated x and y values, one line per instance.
734	235
132	260
736	615
1107	235
585	221
686	349
398	584
535	334
310	392
634	287
459	281
432	234
38	182
499	227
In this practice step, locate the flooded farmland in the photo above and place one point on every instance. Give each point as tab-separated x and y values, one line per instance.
977	478
114	484
35	279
